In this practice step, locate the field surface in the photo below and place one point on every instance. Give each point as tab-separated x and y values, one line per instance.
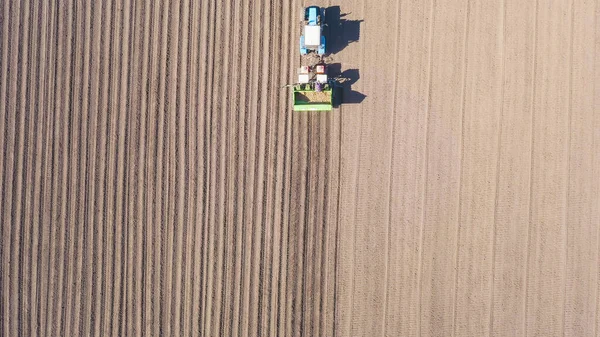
154	180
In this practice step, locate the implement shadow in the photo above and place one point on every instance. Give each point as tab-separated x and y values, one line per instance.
344	93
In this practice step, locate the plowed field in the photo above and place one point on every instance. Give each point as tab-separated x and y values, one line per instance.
154	180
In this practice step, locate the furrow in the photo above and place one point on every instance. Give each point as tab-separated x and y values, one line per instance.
214	223
182	169
241	64
200	159
263	168
170	230
104	236
47	192
136	255
149	294
221	223
90	255
206	71
37	139
229	111
250	113
9	162
61	263
73	151
160	161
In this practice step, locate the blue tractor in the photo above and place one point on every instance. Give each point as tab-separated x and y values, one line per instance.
312	39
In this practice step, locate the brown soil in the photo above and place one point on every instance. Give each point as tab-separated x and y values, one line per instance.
154	180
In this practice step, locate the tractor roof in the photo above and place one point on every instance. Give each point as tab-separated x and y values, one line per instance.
312	36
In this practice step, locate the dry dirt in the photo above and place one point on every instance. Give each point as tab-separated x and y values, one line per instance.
154	180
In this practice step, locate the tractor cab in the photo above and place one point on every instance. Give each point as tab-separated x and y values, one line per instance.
312	38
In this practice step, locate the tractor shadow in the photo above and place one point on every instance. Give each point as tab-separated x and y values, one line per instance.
342	32
344	93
